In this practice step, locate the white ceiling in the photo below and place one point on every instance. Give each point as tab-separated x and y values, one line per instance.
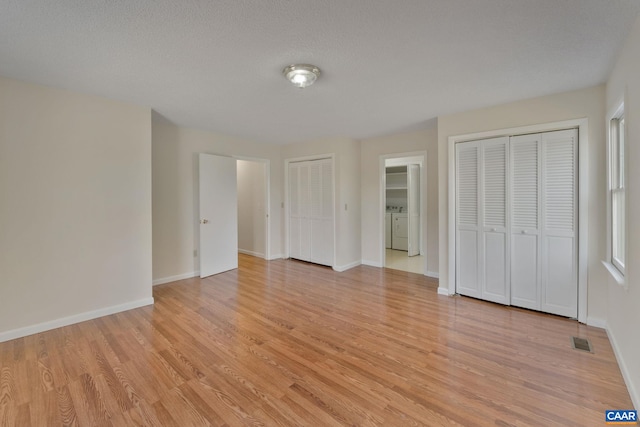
387	65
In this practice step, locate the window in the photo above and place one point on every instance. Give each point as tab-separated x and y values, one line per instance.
617	220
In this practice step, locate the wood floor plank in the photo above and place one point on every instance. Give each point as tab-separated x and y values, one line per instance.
288	343
62	370
143	414
312	408
23	416
88	403
164	416
186	410
67	409
44	409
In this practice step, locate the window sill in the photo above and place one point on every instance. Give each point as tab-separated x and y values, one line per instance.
615	273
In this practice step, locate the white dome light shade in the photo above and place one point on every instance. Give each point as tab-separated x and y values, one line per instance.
301	75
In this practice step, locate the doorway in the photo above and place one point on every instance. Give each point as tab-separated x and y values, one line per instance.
403	207
233	211
253	214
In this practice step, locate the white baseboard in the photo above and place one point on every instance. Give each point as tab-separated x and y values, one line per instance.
341	268
432	274
371	263
631	387
163	280
443	291
276	256
70	320
255	254
596	323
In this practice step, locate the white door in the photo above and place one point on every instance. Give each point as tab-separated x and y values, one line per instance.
311	211
516	220
482	241
559	281
413	208
525	220
299	207
321	211
218	214
467	219
494	255
295	212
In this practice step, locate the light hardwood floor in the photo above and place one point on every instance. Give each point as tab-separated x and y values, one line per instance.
289	343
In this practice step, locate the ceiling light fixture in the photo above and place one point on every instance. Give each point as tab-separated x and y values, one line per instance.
301	75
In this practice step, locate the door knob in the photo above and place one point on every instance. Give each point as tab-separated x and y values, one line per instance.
204	221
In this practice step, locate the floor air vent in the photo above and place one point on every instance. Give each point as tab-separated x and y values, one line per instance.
581	344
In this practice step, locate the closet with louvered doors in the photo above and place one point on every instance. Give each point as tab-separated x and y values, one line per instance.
311	211
531	194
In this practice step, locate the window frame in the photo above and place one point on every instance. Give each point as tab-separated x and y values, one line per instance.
616	194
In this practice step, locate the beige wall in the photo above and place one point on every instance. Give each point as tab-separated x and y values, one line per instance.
583	103
347	185
75	207
252	209
624	304
175	202
371	150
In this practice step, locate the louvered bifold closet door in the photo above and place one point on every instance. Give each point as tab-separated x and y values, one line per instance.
295	215
299	207
559	243
525	172
321	211
494	256
467	219
305	202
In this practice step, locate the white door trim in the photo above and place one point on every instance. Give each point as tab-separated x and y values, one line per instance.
583	197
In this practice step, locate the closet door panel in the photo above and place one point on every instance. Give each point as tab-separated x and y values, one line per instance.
305	226
321	215
495	268
525	220
559	284
299	226
328	211
559	243
493	203
295	218
295	227
316	246
468	275
467	264
322	249
524	271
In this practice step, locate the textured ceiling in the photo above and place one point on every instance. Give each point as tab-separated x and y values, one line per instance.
387	65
